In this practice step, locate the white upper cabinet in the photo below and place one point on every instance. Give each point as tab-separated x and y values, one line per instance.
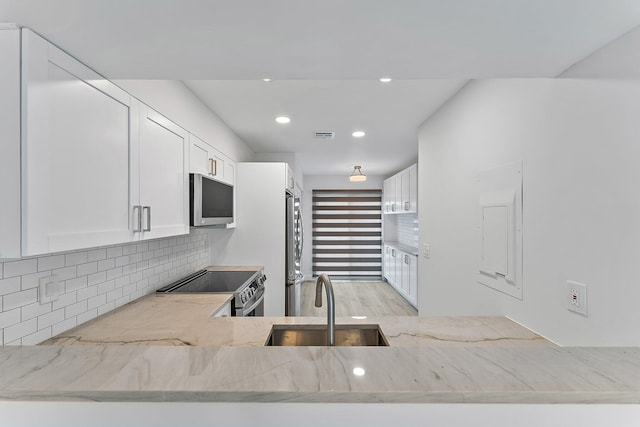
78	133
96	166
161	207
400	192
206	160
10	240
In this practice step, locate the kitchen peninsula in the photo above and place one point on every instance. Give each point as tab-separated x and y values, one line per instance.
207	359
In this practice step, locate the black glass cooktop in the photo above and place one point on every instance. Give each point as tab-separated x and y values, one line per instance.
211	282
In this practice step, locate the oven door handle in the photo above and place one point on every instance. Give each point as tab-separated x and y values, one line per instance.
257	303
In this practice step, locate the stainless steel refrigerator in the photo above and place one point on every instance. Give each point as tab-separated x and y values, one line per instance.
294	244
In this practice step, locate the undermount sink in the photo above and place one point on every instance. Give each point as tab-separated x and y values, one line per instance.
316	335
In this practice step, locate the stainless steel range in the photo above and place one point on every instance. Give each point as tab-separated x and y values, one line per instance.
247	288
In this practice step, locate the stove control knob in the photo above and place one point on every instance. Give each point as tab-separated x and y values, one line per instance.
243	298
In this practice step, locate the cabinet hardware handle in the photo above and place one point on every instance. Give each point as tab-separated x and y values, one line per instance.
212	167
148	209
138	227
406	206
393	207
406	259
393	253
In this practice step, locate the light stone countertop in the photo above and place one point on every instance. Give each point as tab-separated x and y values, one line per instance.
434	360
185	319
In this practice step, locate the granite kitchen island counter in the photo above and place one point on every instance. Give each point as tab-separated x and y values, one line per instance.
430	360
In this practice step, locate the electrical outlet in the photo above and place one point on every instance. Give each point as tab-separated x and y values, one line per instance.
576	294
426	250
49	289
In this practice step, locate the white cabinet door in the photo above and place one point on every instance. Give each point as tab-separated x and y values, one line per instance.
78	132
392	194
386	259
395	267
413	279
413	188
397	204
10	213
224	311
385	196
409	189
163	199
405	196
199	156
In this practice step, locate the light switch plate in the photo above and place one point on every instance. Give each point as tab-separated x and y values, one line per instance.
576	294
426	250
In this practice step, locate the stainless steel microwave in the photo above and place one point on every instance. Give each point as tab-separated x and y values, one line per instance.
210	201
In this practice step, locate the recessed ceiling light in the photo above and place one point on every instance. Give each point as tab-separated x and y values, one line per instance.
358	372
283	120
266	80
358	134
385	79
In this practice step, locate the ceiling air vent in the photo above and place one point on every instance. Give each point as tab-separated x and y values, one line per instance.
324	135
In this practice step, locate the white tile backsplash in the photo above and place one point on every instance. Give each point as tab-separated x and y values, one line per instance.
8	286
407	228
75	258
94	281
50	262
20	268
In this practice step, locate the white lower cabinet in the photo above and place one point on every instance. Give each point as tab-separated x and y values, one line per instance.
410	277
401	271
224	310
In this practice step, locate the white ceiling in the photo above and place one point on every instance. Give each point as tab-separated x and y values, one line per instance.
325	57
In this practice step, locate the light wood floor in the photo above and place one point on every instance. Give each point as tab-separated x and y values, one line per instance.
356	299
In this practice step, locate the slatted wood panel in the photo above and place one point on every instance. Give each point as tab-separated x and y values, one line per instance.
347	233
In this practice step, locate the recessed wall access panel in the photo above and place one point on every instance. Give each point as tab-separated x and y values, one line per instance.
500	229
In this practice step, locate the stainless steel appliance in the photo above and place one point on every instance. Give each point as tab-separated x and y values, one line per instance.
294	245
247	288
210	201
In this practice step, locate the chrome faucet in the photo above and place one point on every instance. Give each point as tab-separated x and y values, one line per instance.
331	306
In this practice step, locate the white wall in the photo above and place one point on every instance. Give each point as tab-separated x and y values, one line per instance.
618	59
578	140
320	182
259	238
175	100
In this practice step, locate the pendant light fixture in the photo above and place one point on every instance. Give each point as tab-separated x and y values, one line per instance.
357	175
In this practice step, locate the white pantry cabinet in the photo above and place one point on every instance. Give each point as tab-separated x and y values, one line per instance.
78	132
206	160
160	197
410	277
400	192
390	264
401	272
